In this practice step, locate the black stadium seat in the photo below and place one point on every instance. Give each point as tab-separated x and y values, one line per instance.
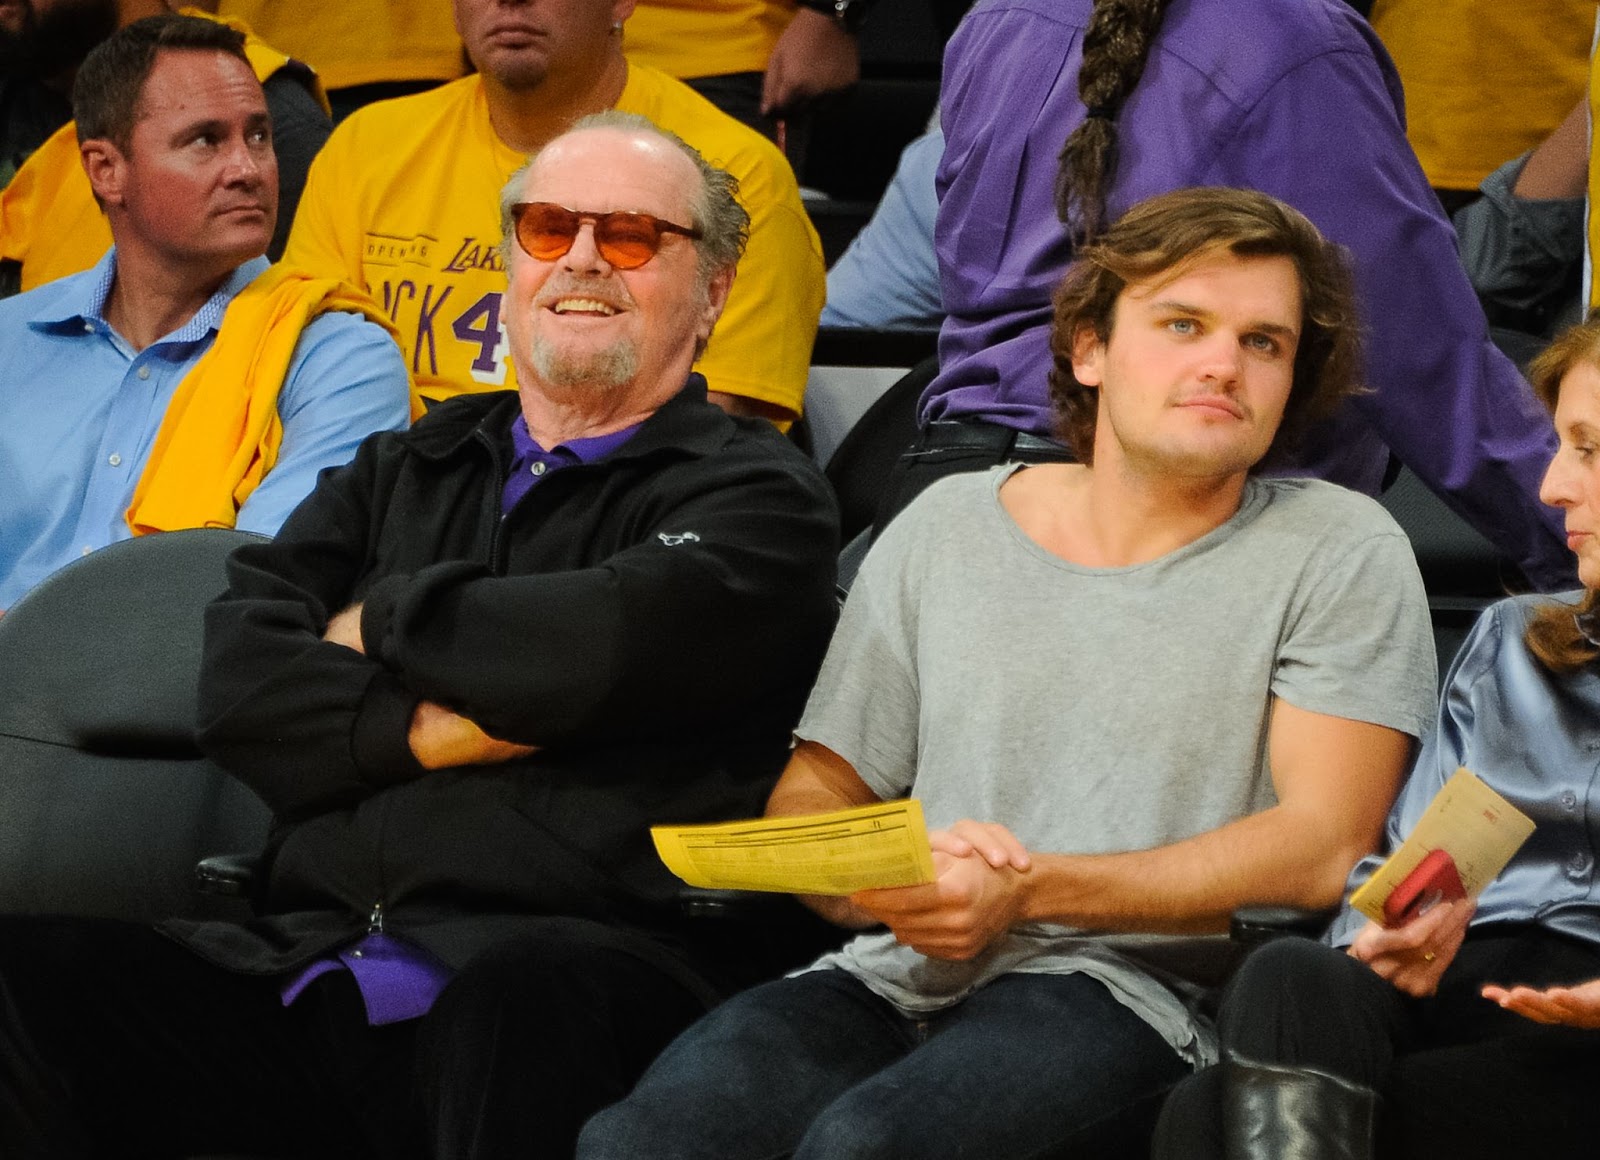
105	802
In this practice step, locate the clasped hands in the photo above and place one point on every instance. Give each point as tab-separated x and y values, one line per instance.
981	878
440	738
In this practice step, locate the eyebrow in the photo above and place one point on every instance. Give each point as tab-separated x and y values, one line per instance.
1173	306
220	126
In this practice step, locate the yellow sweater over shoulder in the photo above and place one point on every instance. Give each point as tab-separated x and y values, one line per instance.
221	433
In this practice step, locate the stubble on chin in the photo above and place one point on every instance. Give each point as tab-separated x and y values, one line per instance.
600	370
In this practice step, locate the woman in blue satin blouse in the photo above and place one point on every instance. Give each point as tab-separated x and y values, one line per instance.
1468	1031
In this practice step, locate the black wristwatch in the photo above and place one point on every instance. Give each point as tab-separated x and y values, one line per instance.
847	14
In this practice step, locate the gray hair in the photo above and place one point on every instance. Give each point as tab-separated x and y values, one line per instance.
723	223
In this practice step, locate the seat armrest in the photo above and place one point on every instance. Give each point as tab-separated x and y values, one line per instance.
1253	925
229	875
698	902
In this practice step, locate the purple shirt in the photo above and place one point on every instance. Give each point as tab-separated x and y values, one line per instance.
531	463
398	980
1292	97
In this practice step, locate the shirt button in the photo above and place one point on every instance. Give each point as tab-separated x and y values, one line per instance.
144	372
88	327
1569	800
538	468
355	954
115	460
87	548
1578	864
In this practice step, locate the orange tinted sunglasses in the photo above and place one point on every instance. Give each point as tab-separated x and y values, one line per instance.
626	240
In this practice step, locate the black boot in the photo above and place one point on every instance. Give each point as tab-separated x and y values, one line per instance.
1273	1112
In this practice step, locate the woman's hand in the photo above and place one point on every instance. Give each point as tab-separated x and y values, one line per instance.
1575	1006
1413	957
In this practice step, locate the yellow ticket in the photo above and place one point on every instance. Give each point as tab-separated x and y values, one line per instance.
885	844
1479	828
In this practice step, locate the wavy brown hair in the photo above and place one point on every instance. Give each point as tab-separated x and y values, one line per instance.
1115	47
1161	237
1555	633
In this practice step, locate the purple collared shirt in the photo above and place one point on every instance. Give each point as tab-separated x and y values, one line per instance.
531	463
1292	97
398	980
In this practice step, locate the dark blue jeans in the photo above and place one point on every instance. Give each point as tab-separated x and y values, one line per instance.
817	1067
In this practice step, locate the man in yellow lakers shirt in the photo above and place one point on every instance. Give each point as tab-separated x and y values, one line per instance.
180	382
401	201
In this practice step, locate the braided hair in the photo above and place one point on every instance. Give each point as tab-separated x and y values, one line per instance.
1115	48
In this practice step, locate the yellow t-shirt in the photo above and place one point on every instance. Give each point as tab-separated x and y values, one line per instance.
404	201
49	221
705	38
1485	80
361	42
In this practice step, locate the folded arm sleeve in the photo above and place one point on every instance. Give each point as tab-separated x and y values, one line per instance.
719	603
307	724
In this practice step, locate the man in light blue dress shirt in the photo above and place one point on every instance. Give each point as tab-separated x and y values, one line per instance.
186	174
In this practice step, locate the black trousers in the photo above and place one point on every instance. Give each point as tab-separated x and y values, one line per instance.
1460	1078
117	1042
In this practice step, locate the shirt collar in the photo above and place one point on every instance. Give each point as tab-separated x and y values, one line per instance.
584	450
83	306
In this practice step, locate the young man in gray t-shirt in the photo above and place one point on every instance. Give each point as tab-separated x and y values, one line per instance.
1132	694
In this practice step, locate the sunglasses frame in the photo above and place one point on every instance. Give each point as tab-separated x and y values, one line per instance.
599	222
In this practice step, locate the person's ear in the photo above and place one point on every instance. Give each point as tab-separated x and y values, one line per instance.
716	298
1088	356
107	170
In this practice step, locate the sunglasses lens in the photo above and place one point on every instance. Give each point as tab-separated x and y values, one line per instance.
627	240
546	231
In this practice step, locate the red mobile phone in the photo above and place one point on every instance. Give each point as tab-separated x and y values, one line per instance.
1433	880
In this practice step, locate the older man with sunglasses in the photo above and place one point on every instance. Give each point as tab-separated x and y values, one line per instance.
397	202
472	670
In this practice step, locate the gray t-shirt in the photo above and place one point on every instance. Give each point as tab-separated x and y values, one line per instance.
1096	710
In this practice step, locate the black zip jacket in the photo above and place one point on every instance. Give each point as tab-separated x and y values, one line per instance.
653	622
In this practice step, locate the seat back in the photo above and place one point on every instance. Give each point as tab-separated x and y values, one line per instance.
1462	571
860	468
105	801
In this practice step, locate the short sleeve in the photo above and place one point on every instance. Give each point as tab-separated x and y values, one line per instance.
1359	644
866	703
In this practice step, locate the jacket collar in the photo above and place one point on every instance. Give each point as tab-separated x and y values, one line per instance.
686	423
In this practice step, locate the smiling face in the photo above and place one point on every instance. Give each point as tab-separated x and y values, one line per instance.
197	188
1197	370
582	329
1572	482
